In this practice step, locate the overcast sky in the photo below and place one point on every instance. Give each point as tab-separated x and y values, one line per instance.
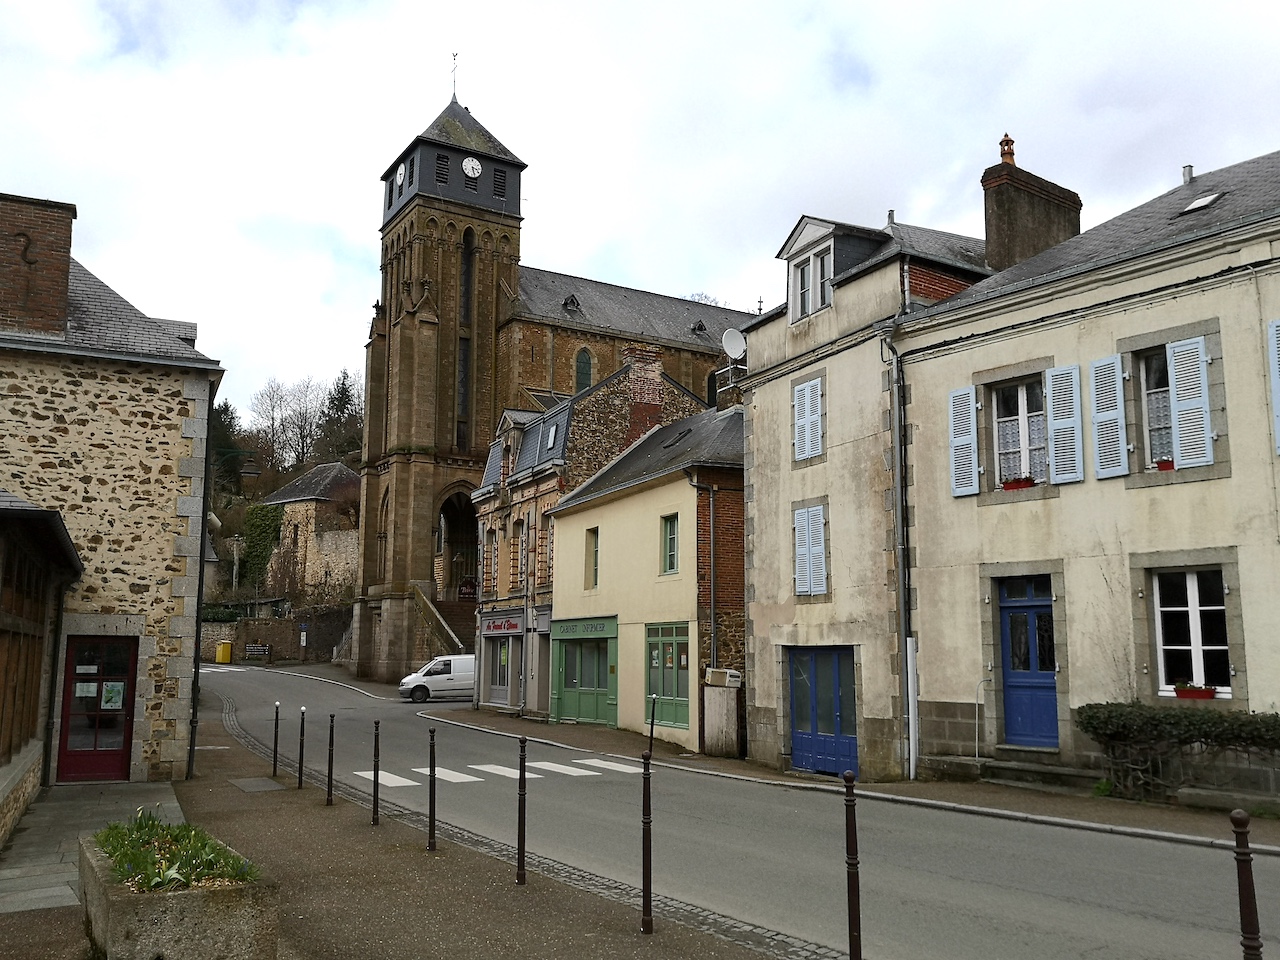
224	157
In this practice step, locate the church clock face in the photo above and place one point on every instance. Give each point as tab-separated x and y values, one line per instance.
471	167
400	175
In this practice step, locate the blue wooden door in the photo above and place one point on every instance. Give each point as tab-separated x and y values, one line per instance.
824	734
1029	661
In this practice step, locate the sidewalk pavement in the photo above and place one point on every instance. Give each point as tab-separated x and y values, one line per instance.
351	889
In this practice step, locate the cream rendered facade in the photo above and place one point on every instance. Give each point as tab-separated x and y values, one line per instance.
1093	553
631	586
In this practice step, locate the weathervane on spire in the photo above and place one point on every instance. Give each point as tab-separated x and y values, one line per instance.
455	76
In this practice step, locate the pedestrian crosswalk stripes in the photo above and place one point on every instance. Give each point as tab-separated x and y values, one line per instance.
499	770
224	669
387	779
610	765
453	776
561	768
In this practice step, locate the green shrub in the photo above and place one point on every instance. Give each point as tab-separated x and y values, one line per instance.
150	855
1140	723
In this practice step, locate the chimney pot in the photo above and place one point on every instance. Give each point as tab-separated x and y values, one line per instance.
891	215
1006	150
1188	174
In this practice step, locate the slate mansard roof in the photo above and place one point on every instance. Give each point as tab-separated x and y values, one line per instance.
713	438
651	317
1247	192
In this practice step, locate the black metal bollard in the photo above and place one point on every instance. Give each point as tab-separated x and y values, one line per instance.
376	776
1250	938
646	851
520	819
275	743
431	794
328	794
851	867
302	743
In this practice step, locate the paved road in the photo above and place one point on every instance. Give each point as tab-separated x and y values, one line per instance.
934	883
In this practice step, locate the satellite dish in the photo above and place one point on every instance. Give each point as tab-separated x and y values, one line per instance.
734	343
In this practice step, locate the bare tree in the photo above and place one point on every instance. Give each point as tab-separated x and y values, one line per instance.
268	410
304	408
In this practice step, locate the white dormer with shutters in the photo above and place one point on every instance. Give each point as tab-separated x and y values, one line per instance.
810	256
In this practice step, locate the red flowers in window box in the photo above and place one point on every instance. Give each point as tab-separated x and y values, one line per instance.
1018	483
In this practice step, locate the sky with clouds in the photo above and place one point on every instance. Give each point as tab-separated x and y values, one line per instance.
224	155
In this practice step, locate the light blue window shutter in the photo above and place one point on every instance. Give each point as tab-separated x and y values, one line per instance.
800	412
1110	438
813	406
1189	403
1273	364
817	551
802	552
964	442
1066	433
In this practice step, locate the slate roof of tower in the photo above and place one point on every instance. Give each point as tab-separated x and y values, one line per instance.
47	526
100	322
328	481
711	438
456	127
605	306
1249	192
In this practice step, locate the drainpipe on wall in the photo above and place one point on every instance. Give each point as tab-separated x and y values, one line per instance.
711	536
204	532
906	648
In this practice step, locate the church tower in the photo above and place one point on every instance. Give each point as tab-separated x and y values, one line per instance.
450	255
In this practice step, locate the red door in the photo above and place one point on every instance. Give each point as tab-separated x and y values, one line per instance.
97	708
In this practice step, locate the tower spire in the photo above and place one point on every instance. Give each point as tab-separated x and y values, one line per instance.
455	78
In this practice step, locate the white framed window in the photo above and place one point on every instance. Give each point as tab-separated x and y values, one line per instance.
1022	443
670	544
811	551
807	410
1174	388
1191	629
811	282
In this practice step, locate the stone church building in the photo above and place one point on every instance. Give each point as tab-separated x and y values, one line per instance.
461	334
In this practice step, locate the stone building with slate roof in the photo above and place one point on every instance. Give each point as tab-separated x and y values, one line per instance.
1055	488
315	560
649	586
462	333
106	412
533	459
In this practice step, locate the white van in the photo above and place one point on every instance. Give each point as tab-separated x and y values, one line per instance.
452	676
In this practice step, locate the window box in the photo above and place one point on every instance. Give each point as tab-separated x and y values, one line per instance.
1018	483
1164	463
1195	693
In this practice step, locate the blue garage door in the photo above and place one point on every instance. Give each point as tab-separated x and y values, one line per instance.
824	734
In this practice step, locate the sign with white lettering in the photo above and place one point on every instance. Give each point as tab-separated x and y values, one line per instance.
500	624
592	628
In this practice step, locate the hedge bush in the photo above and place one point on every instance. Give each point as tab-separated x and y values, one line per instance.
1139	723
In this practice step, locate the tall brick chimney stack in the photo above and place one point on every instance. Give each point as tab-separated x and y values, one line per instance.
35	263
646	389
1025	214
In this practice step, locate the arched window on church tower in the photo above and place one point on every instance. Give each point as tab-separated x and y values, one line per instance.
582	379
382	535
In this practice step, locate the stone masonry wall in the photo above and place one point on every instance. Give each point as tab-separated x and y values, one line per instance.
118	449
320	564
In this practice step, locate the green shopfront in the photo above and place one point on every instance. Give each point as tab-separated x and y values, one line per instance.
584	655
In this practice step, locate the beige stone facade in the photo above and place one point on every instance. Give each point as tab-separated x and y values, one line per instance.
1135	555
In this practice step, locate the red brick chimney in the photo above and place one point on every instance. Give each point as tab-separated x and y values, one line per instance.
1026	214
645	379
35	261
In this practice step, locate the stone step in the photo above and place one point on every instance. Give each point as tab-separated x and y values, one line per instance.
1040	775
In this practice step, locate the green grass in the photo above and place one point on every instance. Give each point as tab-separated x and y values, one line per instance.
150	855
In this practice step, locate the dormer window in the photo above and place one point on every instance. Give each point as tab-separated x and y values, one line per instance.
812	283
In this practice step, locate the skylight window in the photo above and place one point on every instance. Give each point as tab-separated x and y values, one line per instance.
1199	203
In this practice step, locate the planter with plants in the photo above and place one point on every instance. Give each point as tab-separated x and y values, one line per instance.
1018	483
1164	463
1192	691
154	889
